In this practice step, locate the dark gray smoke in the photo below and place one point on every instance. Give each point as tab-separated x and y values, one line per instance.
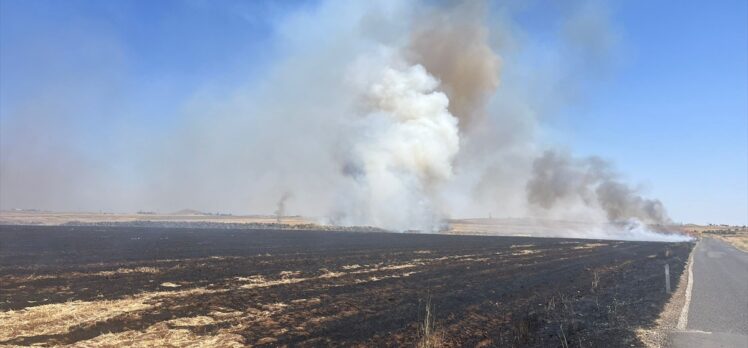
560	179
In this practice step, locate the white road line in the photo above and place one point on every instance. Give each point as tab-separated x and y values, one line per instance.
683	319
697	332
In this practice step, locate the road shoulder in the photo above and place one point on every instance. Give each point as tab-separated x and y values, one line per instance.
668	320
698	339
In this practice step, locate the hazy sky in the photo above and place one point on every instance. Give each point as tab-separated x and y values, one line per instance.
94	82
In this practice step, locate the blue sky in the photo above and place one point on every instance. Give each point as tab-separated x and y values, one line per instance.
674	113
670	109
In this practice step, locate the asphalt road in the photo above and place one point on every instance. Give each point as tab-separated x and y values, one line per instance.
718	311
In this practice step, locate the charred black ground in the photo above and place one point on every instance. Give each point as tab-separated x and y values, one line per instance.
347	288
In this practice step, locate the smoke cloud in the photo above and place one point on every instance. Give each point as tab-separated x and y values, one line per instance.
559	179
389	113
403	146
453	46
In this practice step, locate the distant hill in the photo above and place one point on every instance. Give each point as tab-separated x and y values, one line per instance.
189	212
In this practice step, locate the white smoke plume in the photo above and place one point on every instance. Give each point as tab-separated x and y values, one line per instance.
402	147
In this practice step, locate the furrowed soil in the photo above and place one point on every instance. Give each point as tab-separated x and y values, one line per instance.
112	286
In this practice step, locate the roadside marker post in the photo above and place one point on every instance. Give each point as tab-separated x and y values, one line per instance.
667	278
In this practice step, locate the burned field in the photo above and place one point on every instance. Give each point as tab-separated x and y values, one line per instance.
93	286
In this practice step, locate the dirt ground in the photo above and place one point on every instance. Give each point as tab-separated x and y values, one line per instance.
735	235
58	218
109	286
739	240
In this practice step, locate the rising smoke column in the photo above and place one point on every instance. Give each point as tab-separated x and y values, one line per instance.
419	106
280	210
403	147
453	46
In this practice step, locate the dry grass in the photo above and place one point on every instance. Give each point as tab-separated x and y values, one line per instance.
595	280
525	252
326	274
258	281
391	268
192	321
735	235
589	246
521	246
378	278
429	337
62	318
160	335
170	285
58	318
739	241
72	275
7	279
288	277
149	270
56	218
289	274
315	300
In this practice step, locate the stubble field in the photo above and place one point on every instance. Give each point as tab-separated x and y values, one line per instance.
99	286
